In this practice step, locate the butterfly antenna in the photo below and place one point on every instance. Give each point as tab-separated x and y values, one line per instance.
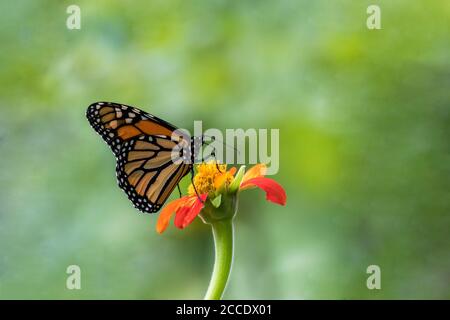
213	138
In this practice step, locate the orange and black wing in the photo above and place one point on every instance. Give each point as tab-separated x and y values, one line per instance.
117	123
147	168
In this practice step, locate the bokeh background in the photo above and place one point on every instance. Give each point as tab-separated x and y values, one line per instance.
364	151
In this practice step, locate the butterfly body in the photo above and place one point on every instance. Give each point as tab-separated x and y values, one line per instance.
152	155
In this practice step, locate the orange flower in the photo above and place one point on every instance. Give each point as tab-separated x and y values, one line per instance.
211	182
255	178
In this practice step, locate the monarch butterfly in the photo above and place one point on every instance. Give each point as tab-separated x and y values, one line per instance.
152	155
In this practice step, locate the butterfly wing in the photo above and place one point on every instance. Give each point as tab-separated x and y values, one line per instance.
147	173
146	169
117	123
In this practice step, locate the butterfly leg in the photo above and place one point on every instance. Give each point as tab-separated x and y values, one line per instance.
213	153
192	181
179	190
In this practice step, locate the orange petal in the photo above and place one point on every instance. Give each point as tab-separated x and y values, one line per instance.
258	170
274	192
166	213
187	213
232	171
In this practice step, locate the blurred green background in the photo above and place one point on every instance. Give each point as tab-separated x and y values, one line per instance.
364	151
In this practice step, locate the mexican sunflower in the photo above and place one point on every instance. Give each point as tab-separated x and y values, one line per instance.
213	197
214	183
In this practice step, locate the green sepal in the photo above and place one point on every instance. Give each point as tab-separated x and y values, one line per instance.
234	186
217	201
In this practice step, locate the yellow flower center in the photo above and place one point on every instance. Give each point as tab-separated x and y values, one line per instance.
206	177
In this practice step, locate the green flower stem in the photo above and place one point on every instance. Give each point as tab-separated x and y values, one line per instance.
223	241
